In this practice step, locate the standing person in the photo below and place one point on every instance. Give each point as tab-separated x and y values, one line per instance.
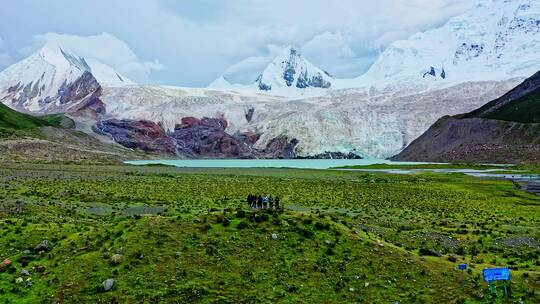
270	202
265	201
248	199
259	201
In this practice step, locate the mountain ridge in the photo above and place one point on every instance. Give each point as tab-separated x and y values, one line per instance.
505	130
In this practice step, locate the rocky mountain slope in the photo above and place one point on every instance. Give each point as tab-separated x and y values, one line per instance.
505	130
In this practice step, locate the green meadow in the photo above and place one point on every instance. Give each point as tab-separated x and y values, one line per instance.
170	235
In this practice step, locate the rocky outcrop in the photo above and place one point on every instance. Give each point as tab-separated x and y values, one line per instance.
207	137
196	138
281	147
142	134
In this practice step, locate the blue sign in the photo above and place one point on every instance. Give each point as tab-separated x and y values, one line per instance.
462	266
496	274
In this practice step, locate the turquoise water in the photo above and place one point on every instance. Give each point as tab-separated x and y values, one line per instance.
267	163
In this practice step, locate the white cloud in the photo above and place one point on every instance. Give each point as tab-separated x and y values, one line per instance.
198	40
5	59
332	52
247	70
105	48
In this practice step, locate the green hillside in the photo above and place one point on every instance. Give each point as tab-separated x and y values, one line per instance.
10	119
524	110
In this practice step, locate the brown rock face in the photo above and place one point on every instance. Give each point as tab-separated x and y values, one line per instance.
193	137
137	134
207	137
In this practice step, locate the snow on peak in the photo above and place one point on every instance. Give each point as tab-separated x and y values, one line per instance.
288	74
291	70
39	82
496	40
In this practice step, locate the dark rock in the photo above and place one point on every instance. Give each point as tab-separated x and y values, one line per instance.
207	137
137	134
45	245
40	269
77	90
249	114
249	138
332	155
281	147
430	252
90	106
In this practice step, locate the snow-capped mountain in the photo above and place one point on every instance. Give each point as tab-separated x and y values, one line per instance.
53	79
288	74
497	40
472	59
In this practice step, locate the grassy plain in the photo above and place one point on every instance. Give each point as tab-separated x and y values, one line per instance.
186	236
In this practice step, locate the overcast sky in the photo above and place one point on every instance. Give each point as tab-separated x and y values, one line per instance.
192	42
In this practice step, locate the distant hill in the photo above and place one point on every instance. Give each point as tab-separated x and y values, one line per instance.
505	130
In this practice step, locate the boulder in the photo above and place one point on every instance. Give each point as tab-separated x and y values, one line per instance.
45	245
116	259
5	264
108	284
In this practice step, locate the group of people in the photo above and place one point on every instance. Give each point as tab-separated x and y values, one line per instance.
263	202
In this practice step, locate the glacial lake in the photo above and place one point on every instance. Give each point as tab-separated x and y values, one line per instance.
268	163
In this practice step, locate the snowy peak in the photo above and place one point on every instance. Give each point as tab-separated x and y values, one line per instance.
62	59
289	74
291	70
496	40
53	78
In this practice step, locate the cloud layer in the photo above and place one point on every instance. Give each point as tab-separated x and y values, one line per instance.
192	42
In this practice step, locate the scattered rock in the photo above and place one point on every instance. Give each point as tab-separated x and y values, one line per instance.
478	295
328	242
520	240
19	280
108	284
5	264
274	236
43	246
366	284
25	272
178	254
116	259
40	268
